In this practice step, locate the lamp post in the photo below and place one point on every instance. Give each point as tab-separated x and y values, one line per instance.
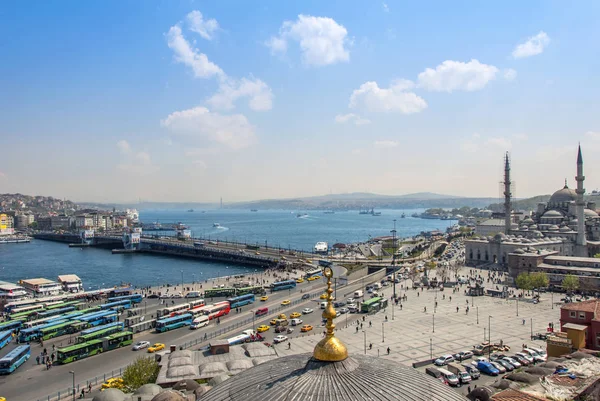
531	327
382	333
433	322
490	335
181	282
430	348
517	306
145	307
73	373
365	337
477	309
253	315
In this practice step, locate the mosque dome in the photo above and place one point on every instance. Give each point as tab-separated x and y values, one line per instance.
589	213
563	195
553	227
499	237
552	214
149	389
169	395
110	394
565	229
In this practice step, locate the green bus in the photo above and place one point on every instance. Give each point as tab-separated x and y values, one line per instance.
219	292
62	305
94	334
93	347
373	305
250	290
90	310
56	330
28	315
77	326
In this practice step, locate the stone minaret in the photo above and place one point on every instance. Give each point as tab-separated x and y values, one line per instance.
507	195
581	241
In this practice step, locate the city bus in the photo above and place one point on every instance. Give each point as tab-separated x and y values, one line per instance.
56	330
174	310
9	307
242	300
134	298
242	338
90	310
314	272
41	322
15	358
35	333
25	311
100	331
119	292
60	305
11	325
118	305
250	290
98	318
217	310
54	312
6	336
200	310
198	303
174	322
93	347
77	326
373	305
48	305
283	285
219	292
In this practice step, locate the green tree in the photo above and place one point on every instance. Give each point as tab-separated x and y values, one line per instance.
597	255
524	281
142	371
570	283
539	280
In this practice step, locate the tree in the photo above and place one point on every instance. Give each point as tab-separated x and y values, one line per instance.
539	280
524	281
597	255
142	371
570	283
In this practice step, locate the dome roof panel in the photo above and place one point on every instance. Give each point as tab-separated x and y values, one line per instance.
563	195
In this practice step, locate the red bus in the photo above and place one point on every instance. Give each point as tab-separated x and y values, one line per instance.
219	309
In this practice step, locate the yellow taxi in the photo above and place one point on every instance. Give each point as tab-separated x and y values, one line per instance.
313	278
295	315
257	253
273	322
306	327
286	302
115	382
264	298
156	347
323	296
282	316
299	280
262	328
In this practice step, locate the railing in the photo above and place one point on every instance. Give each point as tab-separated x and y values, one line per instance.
68	393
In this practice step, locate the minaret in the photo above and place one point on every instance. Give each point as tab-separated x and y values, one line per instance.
581	242
507	195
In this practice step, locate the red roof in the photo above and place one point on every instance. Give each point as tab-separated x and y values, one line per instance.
593	306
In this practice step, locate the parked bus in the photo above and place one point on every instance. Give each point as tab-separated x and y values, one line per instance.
93	347
314	272
54	312
217	310
41	322
35	333
219	292
90	310
200	310
134	298
76	327
15	358
242	300
55	330
257	290
62	305
98	318
242	338
283	285
6	336
373	304
11	325
119	292
195	304
100	332
174	310
25	311
9	307
49	304
174	322
118	305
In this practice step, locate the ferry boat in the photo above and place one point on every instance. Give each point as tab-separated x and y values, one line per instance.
14	240
321	247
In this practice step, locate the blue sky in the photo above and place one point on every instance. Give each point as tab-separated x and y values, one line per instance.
193	100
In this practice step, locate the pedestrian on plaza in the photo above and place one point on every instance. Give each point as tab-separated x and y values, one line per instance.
363	318
417	294
357	329
425	309
37	359
45	352
289	345
89	387
388	350
523	322
370	323
450	298
400	306
361	326
370	346
468	389
53	347
457	308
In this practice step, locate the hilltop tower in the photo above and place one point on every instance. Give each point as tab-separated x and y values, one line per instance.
507	194
580	191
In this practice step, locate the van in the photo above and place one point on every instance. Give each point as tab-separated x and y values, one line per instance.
376	286
358	294
449	377
198	322
262	311
323	305
296	322
193	294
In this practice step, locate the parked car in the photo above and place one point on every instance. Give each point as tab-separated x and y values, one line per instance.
499	367
512	361
141	345
350	301
464	377
306	296
444	360
344	310
507	365
487	368
461	356
526	356
523	361
279	339
472	371
306	311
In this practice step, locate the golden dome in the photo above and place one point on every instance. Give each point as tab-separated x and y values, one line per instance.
330	349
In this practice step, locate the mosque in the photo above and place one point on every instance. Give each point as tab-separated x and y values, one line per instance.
566	225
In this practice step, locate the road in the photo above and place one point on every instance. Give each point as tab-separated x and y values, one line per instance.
15	387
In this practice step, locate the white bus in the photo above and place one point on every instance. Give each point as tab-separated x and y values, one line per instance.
200	321
198	303
174	310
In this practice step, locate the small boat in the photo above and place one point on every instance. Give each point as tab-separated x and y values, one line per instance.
190	210
300	215
216	225
329	212
403	216
254	210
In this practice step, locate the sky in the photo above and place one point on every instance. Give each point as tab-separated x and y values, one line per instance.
191	101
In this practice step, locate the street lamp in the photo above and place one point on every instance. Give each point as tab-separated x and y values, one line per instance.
382	332
430	348
182	282
433	322
365	336
490	335
73	373
517	306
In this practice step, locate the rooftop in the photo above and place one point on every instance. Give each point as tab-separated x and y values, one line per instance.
515	395
69	278
572	259
573	326
574	269
6	286
592	305
37	281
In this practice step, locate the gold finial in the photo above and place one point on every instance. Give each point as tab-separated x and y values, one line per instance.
330	349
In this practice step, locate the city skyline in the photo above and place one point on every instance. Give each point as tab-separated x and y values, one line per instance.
190	101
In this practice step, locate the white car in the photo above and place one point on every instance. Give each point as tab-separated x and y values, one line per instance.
344	310
279	339
350	301
444	360
141	345
306	311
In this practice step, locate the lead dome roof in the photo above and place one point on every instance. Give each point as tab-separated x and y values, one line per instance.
563	195
355	378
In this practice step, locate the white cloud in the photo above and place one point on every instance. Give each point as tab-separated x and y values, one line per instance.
201	125
510	74
455	75
202	27
394	99
385	7
534	45
322	40
185	54
123	146
386	144
351	117
593	134
500	142
259	94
